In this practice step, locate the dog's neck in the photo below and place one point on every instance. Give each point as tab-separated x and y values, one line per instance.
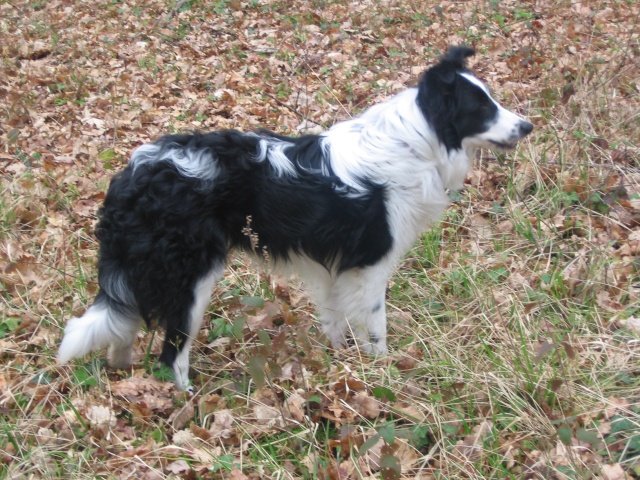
392	143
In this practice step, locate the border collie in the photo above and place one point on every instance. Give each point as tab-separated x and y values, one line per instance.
339	209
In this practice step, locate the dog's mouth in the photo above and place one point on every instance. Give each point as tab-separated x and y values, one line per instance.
504	145
507	140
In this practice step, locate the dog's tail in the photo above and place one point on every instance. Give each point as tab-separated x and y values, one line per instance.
106	323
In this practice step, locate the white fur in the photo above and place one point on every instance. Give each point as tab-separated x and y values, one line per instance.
115	285
355	305
350	303
393	145
273	150
504	132
202	294
100	327
190	163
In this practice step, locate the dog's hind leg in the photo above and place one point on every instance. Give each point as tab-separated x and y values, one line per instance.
119	353
177	343
126	317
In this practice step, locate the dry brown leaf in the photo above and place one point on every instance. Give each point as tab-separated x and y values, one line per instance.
616	405
181	417
222	424
614	472
294	406
266	415
632	324
236	474
178	467
365	405
145	394
472	447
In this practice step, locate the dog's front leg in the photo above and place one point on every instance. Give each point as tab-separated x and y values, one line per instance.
356	305
376	329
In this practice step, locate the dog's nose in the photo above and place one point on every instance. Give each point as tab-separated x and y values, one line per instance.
525	128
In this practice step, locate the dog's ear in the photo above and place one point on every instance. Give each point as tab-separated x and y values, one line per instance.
447	76
436	93
452	62
456	57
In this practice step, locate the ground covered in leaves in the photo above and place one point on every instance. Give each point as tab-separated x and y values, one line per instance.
514	323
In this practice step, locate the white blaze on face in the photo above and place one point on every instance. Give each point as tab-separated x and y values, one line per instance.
506	128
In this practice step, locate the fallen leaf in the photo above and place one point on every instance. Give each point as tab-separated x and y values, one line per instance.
101	416
365	405
632	324
236	474
222	424
179	418
613	472
178	467
294	406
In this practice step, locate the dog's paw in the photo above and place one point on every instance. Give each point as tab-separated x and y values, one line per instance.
184	386
118	365
375	346
375	349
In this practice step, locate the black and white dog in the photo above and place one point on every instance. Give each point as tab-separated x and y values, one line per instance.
338	209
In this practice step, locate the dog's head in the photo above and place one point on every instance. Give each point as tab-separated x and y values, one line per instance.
460	109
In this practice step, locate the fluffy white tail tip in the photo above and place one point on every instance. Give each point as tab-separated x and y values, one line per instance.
85	334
